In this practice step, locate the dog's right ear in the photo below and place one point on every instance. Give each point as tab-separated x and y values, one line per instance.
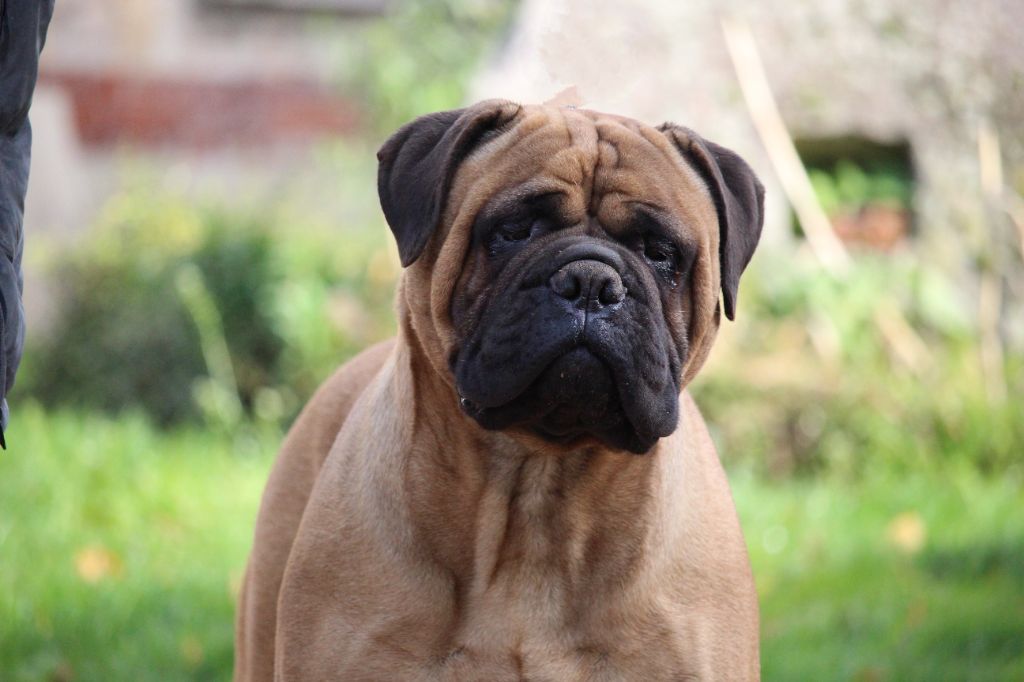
418	164
739	200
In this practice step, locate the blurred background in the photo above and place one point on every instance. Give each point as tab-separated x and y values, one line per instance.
205	246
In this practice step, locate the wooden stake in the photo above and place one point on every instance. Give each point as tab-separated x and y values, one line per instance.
782	153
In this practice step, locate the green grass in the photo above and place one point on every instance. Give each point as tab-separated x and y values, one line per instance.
846	596
121	548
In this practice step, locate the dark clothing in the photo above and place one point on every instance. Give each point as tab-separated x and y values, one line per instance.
23	26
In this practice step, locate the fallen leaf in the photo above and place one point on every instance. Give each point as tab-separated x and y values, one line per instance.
96	563
907	532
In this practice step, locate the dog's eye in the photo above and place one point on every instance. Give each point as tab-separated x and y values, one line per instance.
661	253
658	252
515	232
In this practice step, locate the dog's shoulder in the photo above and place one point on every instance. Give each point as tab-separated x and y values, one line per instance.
310	438
284	501
321	419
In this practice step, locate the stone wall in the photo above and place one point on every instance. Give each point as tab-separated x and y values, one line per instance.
930	73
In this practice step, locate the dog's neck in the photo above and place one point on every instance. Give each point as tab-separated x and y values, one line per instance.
493	510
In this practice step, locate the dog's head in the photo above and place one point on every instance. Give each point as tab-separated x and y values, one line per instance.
563	266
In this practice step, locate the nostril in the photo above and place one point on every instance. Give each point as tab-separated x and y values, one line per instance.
612	292
588	283
566	284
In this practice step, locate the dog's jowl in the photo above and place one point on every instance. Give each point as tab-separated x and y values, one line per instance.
518	486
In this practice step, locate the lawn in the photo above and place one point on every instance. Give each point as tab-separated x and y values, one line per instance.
121	549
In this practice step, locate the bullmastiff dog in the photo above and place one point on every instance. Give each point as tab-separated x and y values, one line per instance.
518	486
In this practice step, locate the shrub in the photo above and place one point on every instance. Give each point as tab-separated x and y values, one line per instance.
879	368
191	311
162	284
423	55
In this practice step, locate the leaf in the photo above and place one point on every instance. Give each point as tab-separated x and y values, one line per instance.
907	532
95	563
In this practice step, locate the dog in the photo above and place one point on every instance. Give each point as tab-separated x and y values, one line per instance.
519	486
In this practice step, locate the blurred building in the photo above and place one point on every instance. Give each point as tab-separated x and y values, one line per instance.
216	96
237	89
918	85
228	97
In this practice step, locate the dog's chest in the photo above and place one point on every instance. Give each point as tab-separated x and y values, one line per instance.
541	656
531	636
535	609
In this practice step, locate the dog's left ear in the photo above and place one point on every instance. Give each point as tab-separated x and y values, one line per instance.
739	200
418	164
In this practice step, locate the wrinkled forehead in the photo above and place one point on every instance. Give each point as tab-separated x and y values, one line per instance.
604	165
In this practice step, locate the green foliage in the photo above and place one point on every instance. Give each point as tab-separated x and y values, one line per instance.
812	364
122	337
124	547
420	58
899	576
187	310
881	368
123	543
847	186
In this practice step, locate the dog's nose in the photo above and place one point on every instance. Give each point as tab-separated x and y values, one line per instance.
588	284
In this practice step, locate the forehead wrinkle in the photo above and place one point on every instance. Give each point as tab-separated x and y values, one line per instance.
615	135
623	168
623	132
544	144
608	158
692	180
512	157
637	165
585	139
